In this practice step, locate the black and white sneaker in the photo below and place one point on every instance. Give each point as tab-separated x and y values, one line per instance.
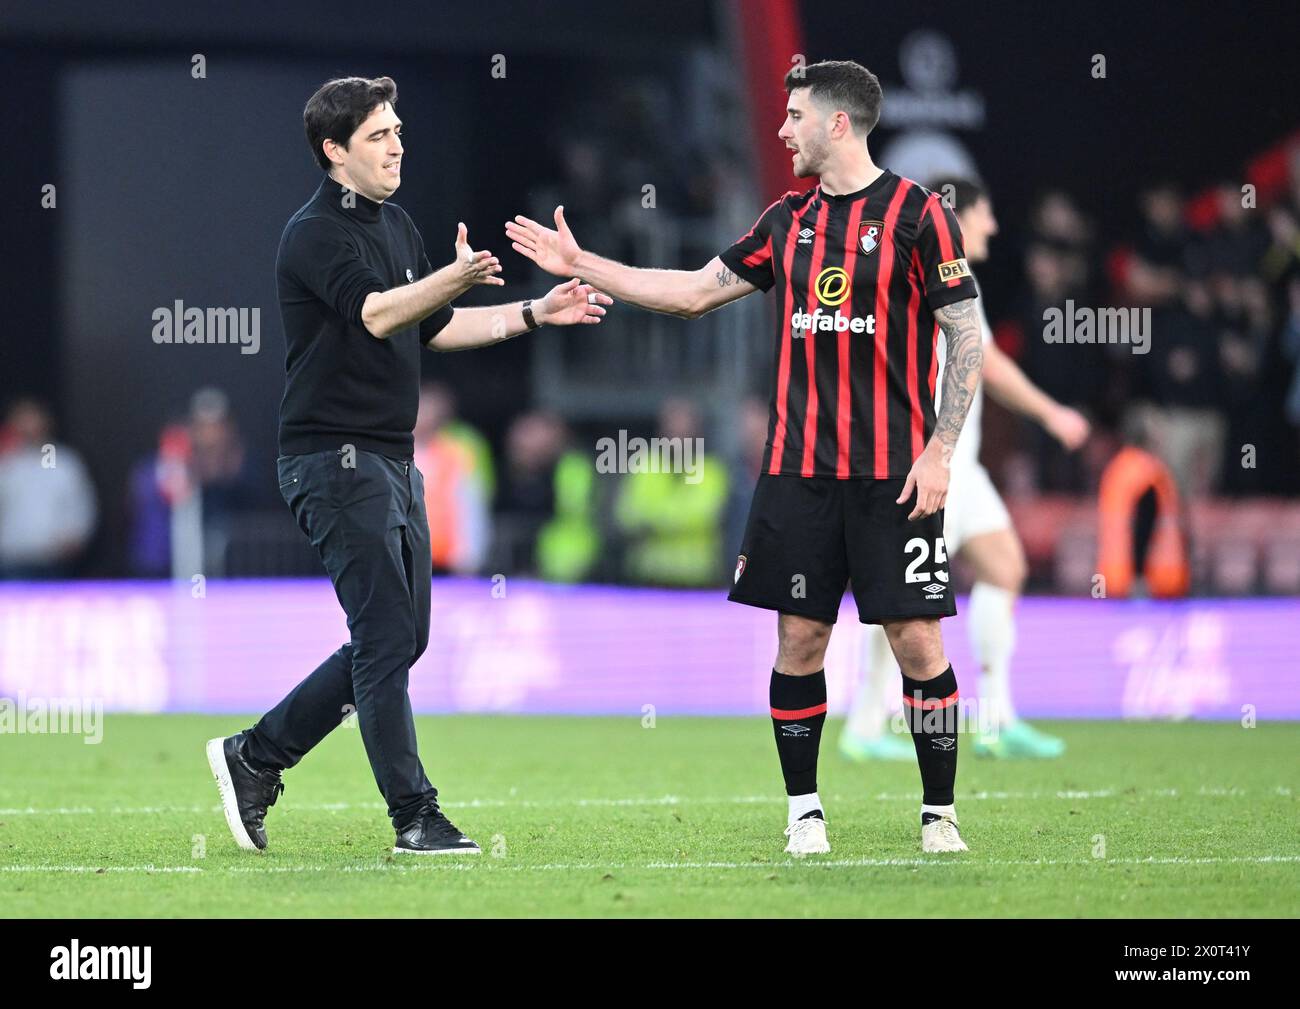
431	833
245	792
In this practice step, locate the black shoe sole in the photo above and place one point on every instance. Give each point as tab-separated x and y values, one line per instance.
467	850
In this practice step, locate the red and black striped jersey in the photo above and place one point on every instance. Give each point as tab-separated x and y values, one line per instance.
857	278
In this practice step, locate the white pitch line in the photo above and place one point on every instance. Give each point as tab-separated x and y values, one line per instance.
497	866
100	868
663	800
944	861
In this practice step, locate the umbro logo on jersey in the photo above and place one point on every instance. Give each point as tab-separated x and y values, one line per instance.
740	567
409	275
933	591
806	236
794	729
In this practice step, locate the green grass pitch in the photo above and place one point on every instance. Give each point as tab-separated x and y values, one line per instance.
602	817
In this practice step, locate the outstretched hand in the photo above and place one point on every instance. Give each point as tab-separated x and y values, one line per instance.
475	267
572	303
554	250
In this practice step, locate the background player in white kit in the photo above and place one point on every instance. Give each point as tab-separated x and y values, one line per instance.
978	528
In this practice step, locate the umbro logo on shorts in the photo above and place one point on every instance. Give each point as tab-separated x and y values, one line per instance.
740	567
933	591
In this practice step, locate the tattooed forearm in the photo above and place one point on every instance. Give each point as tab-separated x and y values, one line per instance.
961	372
725	277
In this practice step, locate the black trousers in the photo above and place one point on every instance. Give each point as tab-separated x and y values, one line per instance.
369	526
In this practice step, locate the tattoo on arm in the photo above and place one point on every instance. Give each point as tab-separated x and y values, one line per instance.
725	277
960	323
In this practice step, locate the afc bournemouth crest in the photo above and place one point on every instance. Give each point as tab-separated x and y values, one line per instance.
740	567
869	235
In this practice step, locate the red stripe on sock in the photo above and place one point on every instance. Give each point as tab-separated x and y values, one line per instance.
790	715
932	703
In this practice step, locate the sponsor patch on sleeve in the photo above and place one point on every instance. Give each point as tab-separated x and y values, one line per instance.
954	269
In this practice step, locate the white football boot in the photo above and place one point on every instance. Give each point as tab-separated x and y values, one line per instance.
807	837
941	835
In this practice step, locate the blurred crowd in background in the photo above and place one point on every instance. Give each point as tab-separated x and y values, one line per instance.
1221	369
1222	282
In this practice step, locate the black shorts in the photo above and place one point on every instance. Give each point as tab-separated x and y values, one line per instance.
808	536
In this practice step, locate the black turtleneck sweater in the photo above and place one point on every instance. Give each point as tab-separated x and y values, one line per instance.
342	385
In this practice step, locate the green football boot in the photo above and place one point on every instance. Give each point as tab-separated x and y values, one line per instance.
1019	740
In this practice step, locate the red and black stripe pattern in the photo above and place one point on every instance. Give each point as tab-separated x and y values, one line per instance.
857	280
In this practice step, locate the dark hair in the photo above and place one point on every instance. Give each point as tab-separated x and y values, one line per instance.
958	193
339	106
845	86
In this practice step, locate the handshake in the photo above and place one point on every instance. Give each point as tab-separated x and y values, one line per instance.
570	303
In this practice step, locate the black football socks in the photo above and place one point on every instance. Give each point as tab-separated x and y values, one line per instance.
798	713
931	710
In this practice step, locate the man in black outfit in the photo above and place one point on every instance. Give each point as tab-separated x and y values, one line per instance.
359	298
